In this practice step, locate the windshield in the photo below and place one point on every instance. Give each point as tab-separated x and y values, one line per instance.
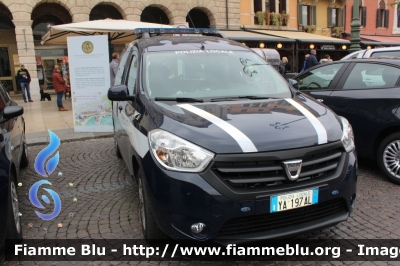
210	74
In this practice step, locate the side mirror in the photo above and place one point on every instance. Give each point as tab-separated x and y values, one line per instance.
120	93
294	84
12	112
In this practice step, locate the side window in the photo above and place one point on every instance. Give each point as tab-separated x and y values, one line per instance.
386	54
121	66
131	80
367	75
320	78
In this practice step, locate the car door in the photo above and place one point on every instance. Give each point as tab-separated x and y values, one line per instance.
127	109
321	81
117	108
367	96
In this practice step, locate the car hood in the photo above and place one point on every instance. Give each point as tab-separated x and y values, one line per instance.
249	125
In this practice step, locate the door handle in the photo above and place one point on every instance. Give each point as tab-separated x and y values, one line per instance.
320	100
120	108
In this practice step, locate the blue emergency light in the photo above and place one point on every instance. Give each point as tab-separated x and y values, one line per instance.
177	30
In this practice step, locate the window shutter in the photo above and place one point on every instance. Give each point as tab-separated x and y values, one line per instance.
299	16
378	18
340	17
314	15
352	14
364	16
329	16
386	18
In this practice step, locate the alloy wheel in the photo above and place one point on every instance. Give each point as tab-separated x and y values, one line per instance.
391	158
15	207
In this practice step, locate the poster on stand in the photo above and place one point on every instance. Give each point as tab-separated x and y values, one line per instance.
89	73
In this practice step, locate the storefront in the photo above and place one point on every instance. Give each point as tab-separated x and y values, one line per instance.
304	42
284	46
373	41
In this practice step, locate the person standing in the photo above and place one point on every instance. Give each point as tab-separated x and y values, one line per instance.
286	65
312	59
113	68
59	86
24	79
326	59
304	64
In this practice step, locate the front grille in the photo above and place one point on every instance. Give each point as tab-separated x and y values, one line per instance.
264	173
273	221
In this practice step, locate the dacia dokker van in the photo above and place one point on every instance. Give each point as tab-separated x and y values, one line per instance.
221	147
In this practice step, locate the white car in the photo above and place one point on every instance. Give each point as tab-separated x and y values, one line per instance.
386	52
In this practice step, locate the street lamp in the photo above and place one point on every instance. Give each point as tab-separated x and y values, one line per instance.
262	45
355	28
279	46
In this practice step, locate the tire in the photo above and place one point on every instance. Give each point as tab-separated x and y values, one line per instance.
24	157
389	157
117	151
14	228
146	219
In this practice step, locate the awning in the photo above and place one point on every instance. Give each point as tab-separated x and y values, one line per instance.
239	35
379	40
304	36
119	31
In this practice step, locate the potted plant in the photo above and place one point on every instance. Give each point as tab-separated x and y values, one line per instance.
276	19
337	31
285	18
310	28
267	17
260	17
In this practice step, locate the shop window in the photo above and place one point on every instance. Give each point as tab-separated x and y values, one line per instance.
382	18
307	15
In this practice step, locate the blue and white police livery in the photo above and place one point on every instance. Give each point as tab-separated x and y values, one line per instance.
222	148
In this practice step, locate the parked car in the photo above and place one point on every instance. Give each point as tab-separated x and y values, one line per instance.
13	156
385	52
222	148
367	93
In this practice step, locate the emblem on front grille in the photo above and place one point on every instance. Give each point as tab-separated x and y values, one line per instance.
293	169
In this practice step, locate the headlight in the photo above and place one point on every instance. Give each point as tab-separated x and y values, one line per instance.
348	136
177	154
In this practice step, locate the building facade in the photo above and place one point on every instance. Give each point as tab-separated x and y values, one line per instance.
24	22
380	24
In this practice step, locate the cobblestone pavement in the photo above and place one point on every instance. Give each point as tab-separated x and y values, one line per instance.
107	202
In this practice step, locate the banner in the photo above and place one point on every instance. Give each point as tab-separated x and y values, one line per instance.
90	80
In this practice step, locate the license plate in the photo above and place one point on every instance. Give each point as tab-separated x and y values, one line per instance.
294	200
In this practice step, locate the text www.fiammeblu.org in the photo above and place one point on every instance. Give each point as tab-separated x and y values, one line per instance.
233	250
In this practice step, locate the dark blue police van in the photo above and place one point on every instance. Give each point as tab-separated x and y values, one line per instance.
221	147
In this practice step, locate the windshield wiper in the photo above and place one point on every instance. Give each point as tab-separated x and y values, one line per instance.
179	99
237	98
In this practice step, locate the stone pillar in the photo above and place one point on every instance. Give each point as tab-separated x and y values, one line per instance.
26	52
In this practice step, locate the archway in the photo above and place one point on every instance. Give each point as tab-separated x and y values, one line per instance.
48	14
103	11
154	14
6	18
199	18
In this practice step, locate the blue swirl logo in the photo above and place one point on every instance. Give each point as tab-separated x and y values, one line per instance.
35	201
40	169
45	153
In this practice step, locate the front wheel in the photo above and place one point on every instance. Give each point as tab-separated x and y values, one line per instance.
14	230
389	157
149	226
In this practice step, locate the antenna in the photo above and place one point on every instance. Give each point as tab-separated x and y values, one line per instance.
202	46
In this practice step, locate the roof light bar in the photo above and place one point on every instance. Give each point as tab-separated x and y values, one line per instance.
177	30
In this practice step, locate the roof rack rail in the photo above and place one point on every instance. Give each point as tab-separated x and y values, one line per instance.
146	32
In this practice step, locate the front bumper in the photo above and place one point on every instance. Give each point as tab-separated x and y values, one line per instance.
179	200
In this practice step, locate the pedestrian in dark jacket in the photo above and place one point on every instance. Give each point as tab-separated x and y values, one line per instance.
24	79
312	59
59	86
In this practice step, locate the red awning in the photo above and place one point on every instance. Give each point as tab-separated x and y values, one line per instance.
380	40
